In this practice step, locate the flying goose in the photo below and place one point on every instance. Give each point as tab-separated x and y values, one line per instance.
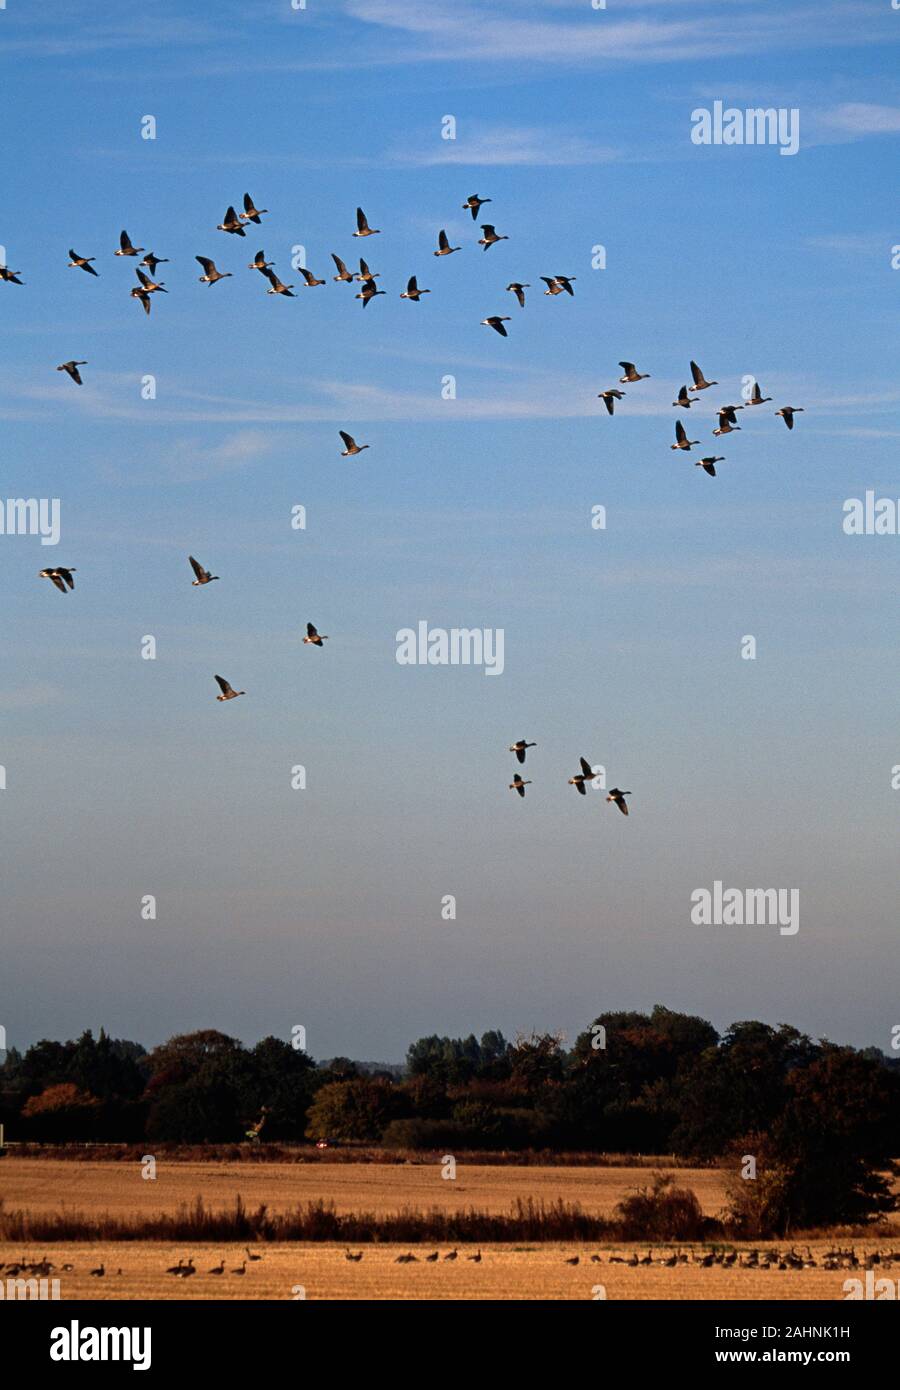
709	464
756	397
211	274
60	575
632	373
728	419
310	279
553	285
700	382
517	785
362	225
490	237
203	576
444	247
351	445
787	413
586	774
365	274
681	439
412	290
473	202
496	321
150	285
151	261
313	637
342	272
260	263
684	399
126	248
143	295
227	692
519	291
232	223
81	262
519	748
251	213
610	397
12	276
565	281
368	292
72	369
619	798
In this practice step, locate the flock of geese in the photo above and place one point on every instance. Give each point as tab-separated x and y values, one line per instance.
579	781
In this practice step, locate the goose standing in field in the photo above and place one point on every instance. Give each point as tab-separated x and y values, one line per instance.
787	413
60	575
362	225
587	774
476	1259
473	203
452	1255
11	276
365	275
444	247
632	373
210	273
242	1269
354	1259
412	290
151	261
228	693
143	296
433	1258
700	382
496	321
709	464
313	637
517	785
310	279
187	1270
260	263
519	748
149	285
126	248
342	272
99	1272
490	237
219	1268
72	369
231	223
203	576
619	798
572	1260
368	292
519	291
727	419
681	439
251	213
276	287
351	446
684	399
254	1259
81	262
756	396
610	397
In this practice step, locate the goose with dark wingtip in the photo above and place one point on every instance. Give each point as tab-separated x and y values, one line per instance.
72	369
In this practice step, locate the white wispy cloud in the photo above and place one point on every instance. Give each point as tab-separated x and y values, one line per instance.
863	118
507	145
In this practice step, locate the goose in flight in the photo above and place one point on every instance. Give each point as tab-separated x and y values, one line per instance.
276	287
553	285
610	397
310	279
700	382
151	261
362	225
143	296
260	263
72	369
251	213
519	291
727	419
365	274
81	262
565	283
351	446
444	247
149	285
787	413
619	798
203	576
490	237
313	637
10	276
632	373
368	292
496	321
412	290
473	203
232	223
756	396
210	273
519	748
342	272
709	464
60	576
126	248
517	785
681	439
684	399
227	692
587	774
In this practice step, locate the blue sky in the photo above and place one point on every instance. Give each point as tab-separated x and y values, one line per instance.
323	907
